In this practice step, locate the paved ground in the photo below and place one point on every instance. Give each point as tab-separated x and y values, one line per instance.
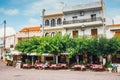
10	73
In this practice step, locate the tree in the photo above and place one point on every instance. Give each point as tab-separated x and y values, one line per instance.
22	46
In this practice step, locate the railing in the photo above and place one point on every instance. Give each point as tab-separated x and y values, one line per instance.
82	20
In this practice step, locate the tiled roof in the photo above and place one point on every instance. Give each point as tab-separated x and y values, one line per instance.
114	25
35	28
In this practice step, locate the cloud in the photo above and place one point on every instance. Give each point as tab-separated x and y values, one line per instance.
37	6
9	11
9	31
33	21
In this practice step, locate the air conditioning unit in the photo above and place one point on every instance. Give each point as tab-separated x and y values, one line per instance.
82	13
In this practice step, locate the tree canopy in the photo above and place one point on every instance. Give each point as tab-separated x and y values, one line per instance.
59	44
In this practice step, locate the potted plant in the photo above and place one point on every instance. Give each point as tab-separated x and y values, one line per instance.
109	66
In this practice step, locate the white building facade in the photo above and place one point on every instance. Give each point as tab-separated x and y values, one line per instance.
80	20
9	44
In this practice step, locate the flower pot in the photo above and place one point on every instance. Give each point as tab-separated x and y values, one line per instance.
110	69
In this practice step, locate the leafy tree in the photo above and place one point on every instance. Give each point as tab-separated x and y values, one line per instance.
22	46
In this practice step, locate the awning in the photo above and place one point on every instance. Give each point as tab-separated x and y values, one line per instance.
115	30
32	54
65	53
47	54
15	52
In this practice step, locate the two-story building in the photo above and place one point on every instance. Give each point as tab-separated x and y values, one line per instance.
9	44
112	30
27	33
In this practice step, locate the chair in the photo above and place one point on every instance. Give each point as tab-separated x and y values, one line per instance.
26	66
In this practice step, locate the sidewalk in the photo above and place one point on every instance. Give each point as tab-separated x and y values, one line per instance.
11	73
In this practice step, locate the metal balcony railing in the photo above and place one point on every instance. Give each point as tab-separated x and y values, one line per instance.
82	20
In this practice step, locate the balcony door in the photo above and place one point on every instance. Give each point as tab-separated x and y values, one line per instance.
94	32
75	34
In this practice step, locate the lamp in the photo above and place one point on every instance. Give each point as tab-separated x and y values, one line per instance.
83	28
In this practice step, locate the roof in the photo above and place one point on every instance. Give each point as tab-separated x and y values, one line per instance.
35	28
53	12
113	25
83	7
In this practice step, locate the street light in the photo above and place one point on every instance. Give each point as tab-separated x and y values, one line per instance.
43	12
4	33
83	29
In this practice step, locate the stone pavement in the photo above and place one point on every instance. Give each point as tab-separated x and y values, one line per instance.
11	73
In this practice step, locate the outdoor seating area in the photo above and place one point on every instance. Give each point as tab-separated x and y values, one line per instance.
27	66
46	66
78	67
97	67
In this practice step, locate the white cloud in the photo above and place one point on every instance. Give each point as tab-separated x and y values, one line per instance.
37	6
9	31
9	11
33	21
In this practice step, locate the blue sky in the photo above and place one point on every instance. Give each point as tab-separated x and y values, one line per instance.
23	13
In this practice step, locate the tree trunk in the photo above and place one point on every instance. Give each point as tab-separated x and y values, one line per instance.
77	57
32	60
109	58
101	59
56	59
85	58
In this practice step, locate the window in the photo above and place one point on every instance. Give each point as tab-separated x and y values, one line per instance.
75	34
59	21
53	23
46	34
74	17
93	17
47	23
11	46
94	32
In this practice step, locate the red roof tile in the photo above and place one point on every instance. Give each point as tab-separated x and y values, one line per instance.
114	25
35	28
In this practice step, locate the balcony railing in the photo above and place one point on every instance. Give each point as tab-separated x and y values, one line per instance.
82	20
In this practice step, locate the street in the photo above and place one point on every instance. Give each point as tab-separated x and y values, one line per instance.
11	73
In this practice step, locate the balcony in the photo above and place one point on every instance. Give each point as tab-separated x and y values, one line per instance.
87	22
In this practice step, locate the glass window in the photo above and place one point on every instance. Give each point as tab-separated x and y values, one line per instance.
47	23
46	34
53	23
59	21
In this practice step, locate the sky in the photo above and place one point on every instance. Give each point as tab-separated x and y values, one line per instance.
27	13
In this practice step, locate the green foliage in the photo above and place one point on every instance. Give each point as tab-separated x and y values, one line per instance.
113	46
23	46
108	65
74	46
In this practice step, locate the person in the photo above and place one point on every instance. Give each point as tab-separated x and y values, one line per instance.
115	67
45	65
36	62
